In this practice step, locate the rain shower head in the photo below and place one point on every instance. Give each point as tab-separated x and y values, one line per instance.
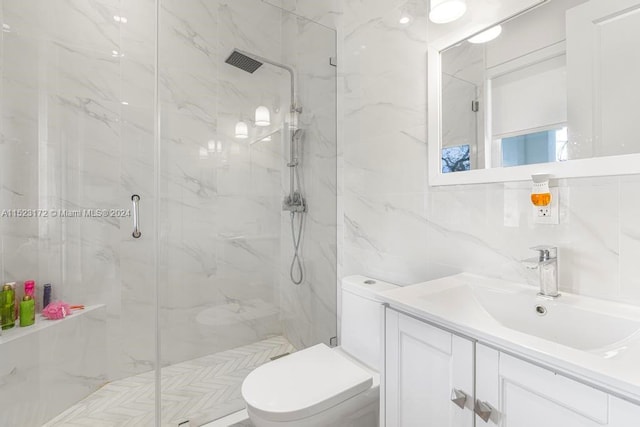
242	61
250	62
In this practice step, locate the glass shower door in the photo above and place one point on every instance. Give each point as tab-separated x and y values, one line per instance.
77	129
227	303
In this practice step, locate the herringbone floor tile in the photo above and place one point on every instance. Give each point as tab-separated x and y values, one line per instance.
207	387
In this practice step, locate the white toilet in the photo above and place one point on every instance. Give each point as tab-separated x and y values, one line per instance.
323	386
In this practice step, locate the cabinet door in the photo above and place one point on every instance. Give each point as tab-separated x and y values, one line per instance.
520	394
623	413
424	367
603	63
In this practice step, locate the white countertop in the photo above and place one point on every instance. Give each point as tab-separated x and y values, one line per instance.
447	302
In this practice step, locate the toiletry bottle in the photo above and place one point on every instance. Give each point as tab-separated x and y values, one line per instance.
30	289
46	296
7	306
27	311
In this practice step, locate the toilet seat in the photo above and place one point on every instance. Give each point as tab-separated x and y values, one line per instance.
303	384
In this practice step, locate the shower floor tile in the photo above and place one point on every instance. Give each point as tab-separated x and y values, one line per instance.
204	389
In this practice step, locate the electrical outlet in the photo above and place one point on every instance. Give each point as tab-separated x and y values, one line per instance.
543	211
548	214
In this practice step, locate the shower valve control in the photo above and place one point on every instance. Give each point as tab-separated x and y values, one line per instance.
294	203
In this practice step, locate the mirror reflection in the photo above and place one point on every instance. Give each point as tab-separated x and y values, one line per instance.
559	82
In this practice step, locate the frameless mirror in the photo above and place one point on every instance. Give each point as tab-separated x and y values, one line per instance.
554	89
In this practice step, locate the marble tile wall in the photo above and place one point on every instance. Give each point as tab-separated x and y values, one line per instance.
309	309
325	12
46	371
220	206
399	229
226	243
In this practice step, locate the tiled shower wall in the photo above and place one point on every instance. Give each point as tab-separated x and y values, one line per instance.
78	132
228	245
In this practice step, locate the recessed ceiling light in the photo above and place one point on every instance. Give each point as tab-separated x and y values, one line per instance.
405	19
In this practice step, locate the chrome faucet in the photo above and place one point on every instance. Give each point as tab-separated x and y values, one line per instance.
547	265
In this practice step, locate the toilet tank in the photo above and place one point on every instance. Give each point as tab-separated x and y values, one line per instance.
362	321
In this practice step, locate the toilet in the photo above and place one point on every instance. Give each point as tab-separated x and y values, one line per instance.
323	386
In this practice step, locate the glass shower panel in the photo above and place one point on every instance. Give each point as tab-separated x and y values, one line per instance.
77	141
227	303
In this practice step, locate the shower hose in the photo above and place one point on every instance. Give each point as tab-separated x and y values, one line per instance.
296	262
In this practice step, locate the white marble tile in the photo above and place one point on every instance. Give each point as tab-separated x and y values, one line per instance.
79	23
323	12
591	256
629	239
25	373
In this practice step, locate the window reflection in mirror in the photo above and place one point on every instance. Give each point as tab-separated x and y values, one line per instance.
550	75
531	148
455	159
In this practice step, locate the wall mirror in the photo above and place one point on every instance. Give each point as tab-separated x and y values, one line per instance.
554	89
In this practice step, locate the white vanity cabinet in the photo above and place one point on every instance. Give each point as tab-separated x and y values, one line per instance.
424	369
522	394
425	364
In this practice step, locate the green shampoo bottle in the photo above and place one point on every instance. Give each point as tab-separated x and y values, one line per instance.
7	306
27	311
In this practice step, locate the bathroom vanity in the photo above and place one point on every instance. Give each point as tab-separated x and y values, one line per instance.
467	350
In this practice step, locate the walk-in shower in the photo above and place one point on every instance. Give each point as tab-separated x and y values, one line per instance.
294	202
135	98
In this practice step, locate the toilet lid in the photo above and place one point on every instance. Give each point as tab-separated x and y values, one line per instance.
303	384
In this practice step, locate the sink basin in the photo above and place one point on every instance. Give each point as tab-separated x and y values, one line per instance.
594	340
578	322
554	320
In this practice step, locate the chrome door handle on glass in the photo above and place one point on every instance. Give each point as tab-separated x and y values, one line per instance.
135	199
483	410
459	397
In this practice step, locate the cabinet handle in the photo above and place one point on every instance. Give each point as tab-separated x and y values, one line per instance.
483	410
459	397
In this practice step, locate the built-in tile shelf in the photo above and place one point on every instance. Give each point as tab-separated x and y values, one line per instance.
42	323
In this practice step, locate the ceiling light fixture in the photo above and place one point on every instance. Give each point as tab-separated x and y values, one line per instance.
487	35
263	117
445	11
242	130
